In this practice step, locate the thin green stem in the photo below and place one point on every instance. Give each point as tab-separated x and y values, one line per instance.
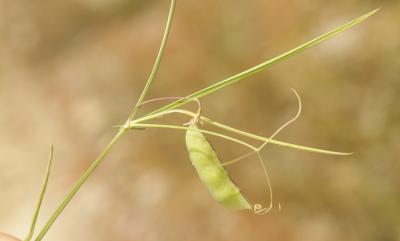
204	131
156	65
78	184
41	196
104	153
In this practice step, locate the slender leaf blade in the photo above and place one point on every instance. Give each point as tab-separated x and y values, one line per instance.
249	72
41	196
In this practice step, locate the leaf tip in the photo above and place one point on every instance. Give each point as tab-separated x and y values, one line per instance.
372	13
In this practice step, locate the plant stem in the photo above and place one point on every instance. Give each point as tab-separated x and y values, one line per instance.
121	131
158	60
79	183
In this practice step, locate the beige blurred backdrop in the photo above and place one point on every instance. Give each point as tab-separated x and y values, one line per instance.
70	70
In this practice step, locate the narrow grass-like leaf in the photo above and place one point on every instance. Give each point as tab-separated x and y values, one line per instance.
137	122
41	196
229	138
235	78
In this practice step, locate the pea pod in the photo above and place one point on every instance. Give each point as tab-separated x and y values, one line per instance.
211	172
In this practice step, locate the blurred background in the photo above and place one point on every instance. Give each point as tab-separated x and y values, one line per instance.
70	70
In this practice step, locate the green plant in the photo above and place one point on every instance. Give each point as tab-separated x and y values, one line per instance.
133	122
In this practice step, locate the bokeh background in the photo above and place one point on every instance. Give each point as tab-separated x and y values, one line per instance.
70	70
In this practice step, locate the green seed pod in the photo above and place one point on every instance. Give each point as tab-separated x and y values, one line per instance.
212	173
